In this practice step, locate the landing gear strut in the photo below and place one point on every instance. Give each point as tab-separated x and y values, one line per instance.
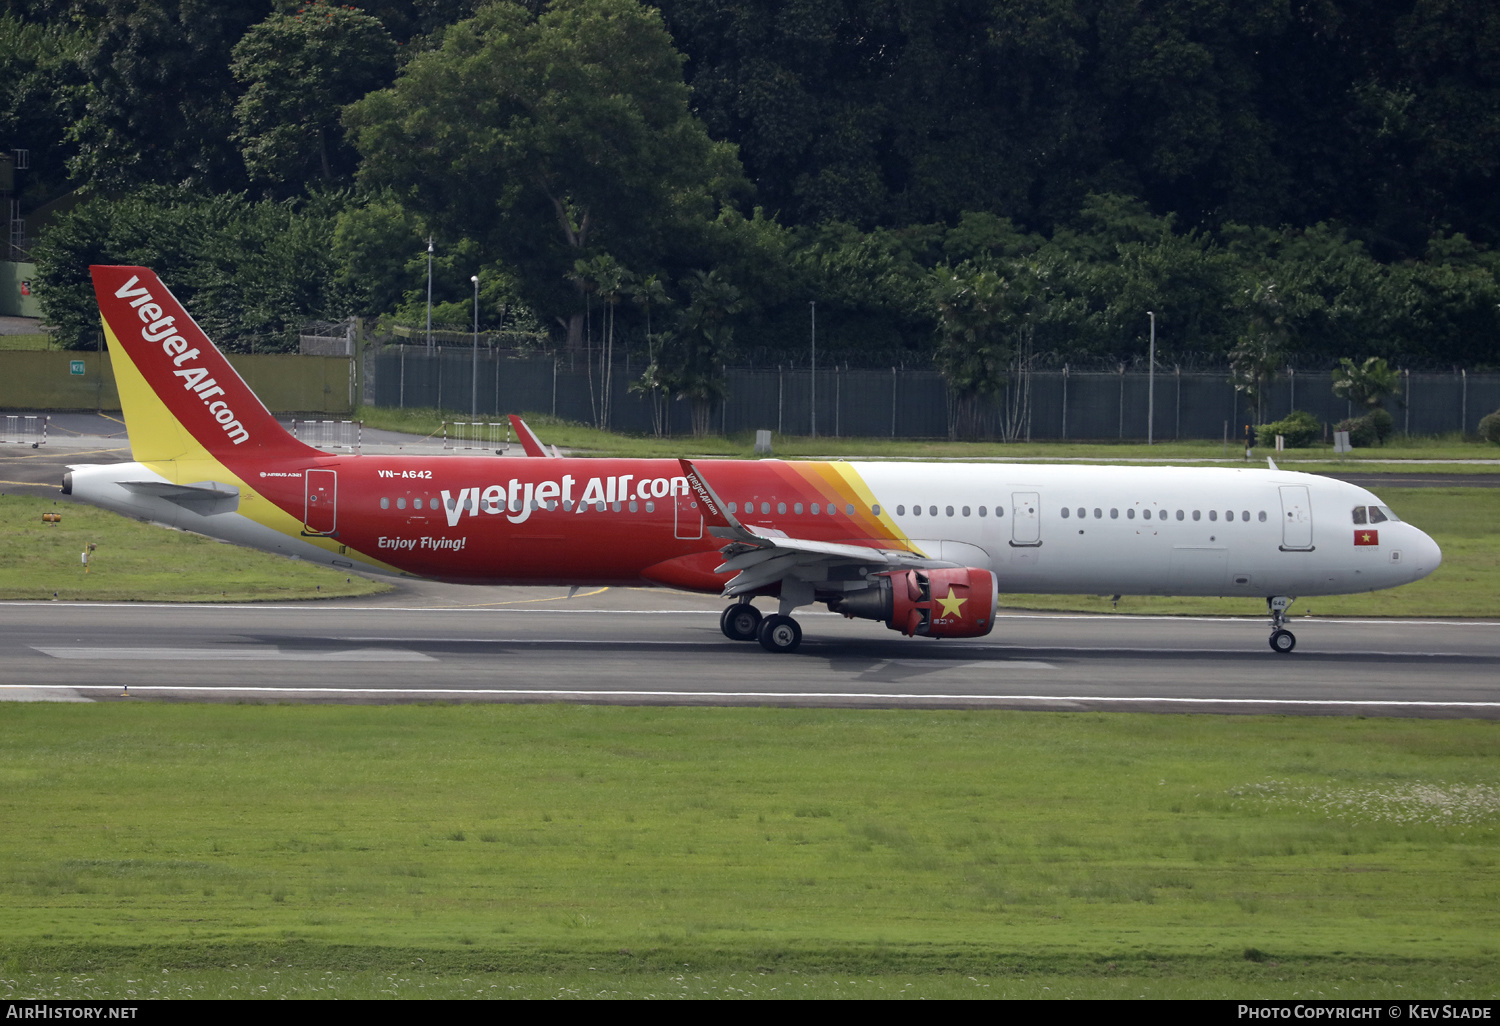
740	622
1282	640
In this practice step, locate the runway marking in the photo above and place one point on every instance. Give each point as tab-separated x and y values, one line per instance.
523	602
826	695
31	484
230	654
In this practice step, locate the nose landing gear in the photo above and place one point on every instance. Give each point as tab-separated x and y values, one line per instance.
1282	640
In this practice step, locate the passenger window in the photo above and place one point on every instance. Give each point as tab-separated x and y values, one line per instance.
1263	516
400	503
849	509
1229	514
1181	515
733	508
1130	513
1066	513
650	506
916	511
900	511
598	507
999	511
1146	513
781	509
416	504
385	503
1098	513
932	511
568	505
633	507
1245	515
981	511
615	506
1376	517
815	510
1082	512
875	509
966	511
948	510
1359	515
1114	514
1213	514
1197	514
765	508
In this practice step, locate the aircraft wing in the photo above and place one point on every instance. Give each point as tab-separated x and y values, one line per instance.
766	555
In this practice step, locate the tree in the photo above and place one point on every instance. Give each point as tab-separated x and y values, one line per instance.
252	273
299	70
1261	350
543	137
695	353
159	105
1367	384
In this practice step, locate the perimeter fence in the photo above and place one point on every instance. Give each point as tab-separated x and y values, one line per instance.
908	403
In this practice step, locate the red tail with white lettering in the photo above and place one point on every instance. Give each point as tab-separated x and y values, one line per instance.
188	374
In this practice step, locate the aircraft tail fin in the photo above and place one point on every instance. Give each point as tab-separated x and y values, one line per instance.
181	398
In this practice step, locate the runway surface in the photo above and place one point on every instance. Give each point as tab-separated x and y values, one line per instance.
651	647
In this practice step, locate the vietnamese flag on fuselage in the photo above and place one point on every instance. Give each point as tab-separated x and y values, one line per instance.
1365	536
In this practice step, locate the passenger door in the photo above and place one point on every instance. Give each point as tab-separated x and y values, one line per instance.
320	515
1296	519
1025	519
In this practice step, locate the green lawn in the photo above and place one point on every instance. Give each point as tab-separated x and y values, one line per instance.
136	562
593	442
361	851
37	341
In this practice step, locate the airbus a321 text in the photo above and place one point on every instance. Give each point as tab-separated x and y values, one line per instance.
923	548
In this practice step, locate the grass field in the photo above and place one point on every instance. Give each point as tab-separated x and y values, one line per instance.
588	441
221	850
141	562
36	341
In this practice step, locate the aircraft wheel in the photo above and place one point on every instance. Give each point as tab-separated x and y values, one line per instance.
1283	641
740	622
780	634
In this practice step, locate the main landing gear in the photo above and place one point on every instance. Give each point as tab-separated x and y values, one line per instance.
740	622
776	633
1282	640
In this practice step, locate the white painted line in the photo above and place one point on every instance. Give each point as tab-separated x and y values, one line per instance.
234	654
48	693
865	695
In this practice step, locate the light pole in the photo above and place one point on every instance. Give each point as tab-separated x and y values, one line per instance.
813	307
1151	384
429	295
474	376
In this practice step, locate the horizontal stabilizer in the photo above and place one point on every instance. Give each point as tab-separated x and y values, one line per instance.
206	498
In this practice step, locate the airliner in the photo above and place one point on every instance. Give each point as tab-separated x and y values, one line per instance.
925	549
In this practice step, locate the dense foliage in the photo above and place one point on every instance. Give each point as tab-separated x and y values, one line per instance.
986	185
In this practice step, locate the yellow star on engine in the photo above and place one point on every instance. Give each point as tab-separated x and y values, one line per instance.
952	605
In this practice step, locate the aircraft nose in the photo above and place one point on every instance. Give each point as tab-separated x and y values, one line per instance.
1428	555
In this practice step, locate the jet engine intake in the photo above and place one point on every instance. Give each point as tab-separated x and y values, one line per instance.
958	603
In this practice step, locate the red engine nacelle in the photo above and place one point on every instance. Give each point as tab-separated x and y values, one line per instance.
957	603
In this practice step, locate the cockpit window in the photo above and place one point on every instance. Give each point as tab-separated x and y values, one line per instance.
1376	516
1390	514
1359	515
